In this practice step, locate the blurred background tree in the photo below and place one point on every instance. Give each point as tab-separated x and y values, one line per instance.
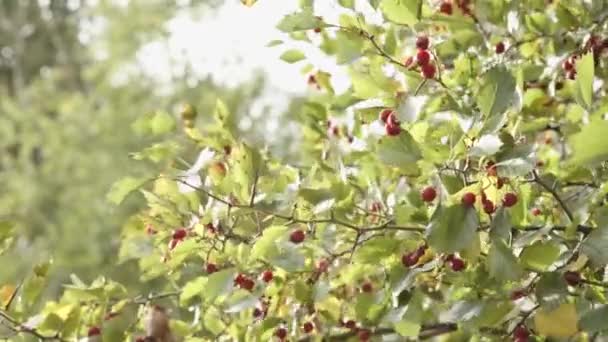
70	89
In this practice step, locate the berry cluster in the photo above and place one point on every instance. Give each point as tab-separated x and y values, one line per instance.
178	236
391	122
446	7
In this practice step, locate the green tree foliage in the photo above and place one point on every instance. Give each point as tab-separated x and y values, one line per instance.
456	191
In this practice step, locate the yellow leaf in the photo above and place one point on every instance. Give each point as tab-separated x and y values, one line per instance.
559	323
248	3
6	292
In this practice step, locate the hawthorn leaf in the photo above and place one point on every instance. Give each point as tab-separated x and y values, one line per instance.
292	56
589	147
584	80
452	228
218	284
561	322
124	187
502	264
595	246
540	255
403	12
594	320
300	21
496	92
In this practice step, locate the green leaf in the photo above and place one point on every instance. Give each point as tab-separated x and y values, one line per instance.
540	255
584	80
218	284
403	12
365	87
595	320
347	3
407	329
162	123
192	289
377	249
500	227
496	92
122	188
401	151
560	322
300	21
452	228
266	246
589	146
502	264
292	56
595	246
551	290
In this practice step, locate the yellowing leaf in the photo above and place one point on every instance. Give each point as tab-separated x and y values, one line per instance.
6	292
559	323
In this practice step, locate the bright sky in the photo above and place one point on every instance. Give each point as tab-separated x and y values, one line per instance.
230	45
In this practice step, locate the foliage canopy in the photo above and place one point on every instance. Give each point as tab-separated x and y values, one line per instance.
458	190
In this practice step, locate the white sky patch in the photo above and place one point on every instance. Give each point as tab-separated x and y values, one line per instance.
229	45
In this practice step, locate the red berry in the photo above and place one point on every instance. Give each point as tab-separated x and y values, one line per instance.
179	234
457	265
211	268
421	250
364	335
517	294
393	130
384	114
536	212
281	333
239	279
392	119
509	200
423	57
94	331
367	287
297	236
446	8
488	207
500	48
428	194
521	332
308	327
173	243
468	199
248	284
267	276
572	278
422	42
410	259
317	29
428	70
350	324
